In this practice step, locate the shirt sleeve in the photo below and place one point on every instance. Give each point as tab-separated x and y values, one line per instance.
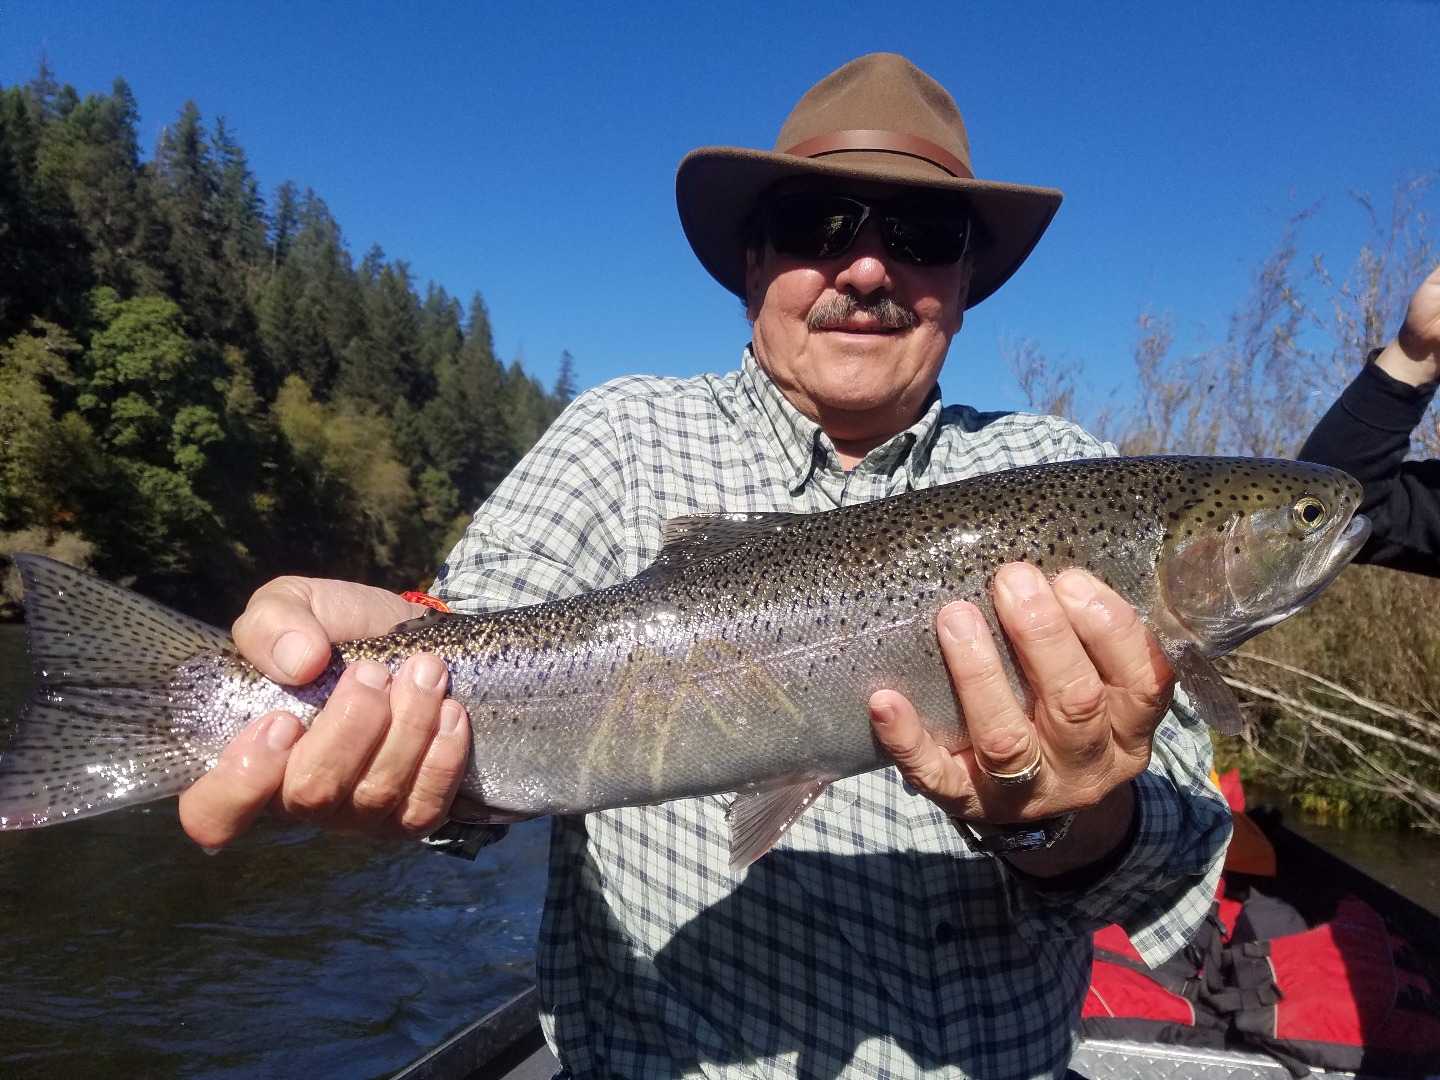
1162	889
554	527
1367	434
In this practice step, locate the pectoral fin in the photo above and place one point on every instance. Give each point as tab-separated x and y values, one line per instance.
759	818
1211	696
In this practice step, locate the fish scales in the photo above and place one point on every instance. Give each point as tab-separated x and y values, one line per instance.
744	658
698	674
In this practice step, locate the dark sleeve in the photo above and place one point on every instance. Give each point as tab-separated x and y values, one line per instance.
1367	434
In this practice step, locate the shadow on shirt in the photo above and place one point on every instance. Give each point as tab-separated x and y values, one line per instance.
817	962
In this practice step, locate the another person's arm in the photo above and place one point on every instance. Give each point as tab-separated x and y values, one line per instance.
1367	433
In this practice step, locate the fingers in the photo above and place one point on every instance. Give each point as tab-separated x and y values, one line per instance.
1066	682
1002	735
225	802
926	765
328	764
413	704
378	758
287	628
1131	665
385	756
427	803
1085	652
1098	685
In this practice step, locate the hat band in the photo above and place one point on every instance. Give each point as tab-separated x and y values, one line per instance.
885	142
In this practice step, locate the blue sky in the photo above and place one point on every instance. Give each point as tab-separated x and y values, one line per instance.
528	151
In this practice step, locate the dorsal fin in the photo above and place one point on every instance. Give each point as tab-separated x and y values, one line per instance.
425	621
703	536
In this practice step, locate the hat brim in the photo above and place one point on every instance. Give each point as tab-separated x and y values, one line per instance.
717	188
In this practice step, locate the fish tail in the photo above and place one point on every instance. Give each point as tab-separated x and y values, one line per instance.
101	732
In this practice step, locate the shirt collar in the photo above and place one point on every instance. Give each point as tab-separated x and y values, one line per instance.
805	447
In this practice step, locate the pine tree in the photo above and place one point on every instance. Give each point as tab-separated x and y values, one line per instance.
381	365
215	254
93	156
565	386
312	308
239	212
43	93
44	268
283	222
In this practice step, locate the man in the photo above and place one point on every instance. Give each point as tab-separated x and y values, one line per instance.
1367	433
884	935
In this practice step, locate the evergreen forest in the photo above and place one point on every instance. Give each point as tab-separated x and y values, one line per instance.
201	389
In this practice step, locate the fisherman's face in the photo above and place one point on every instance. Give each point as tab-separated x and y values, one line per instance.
855	342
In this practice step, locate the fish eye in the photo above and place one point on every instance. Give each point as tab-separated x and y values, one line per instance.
1309	512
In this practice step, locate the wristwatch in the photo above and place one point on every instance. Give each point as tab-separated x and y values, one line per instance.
1038	835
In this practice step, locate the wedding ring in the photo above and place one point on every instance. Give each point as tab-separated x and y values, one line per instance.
1014	779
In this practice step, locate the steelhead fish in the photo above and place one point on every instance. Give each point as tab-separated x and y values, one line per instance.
740	661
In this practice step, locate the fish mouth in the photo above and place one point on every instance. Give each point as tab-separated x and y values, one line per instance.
1355	534
1324	564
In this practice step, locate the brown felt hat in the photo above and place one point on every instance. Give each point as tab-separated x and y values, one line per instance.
878	119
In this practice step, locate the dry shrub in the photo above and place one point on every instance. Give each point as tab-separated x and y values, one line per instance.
1341	701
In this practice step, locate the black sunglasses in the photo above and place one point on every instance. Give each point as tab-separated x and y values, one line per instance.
922	232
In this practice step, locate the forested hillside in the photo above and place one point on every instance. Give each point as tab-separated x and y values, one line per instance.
200	389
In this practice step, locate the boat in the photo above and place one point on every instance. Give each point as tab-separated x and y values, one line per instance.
507	1044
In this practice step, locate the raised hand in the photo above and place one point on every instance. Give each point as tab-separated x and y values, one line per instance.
1414	356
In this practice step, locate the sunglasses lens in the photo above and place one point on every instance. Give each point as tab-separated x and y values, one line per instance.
925	235
814	226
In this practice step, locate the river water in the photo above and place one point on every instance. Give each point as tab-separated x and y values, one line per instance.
126	952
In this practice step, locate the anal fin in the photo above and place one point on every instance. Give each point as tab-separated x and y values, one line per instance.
1209	693
759	818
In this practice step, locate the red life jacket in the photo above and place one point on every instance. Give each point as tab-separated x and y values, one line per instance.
1340	996
1129	1000
1343	995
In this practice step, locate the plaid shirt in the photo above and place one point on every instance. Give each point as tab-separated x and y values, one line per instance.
870	942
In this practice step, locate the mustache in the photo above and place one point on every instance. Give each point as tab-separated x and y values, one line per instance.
841	307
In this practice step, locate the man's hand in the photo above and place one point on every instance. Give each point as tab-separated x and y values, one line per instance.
384	757
1101	686
1414	356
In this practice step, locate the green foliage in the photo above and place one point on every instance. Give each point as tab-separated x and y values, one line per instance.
140	367
31	444
199	391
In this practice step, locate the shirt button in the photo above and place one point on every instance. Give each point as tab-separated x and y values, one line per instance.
944	933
